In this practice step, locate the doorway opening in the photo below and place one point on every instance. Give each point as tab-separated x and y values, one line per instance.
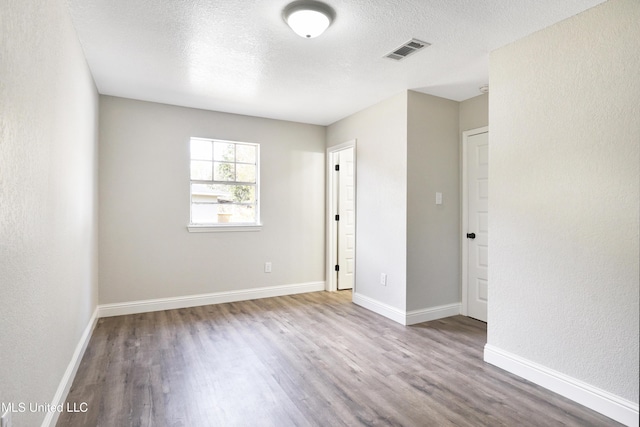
341	216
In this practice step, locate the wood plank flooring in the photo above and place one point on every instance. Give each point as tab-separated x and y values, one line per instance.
303	360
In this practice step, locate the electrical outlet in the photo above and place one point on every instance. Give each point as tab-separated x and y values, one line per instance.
5	420
383	279
267	267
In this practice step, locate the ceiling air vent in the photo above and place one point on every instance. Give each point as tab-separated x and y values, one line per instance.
408	48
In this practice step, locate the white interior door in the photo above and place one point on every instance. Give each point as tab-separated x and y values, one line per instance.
477	230
347	219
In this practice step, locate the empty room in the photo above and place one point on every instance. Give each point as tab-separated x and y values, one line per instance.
319	213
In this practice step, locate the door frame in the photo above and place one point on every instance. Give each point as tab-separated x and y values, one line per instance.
331	283
464	245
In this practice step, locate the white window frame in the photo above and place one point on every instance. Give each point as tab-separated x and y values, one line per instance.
222	227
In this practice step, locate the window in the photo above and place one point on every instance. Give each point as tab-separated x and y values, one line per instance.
224	183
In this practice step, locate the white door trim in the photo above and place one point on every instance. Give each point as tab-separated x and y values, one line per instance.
465	213
331	279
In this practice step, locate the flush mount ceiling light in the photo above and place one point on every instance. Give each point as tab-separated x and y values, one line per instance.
308	19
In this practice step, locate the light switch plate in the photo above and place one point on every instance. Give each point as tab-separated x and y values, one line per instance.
438	198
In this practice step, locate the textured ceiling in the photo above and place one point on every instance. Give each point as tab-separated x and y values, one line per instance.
241	57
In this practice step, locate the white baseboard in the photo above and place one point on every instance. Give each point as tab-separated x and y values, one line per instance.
144	306
382	309
406	317
610	405
433	313
60	397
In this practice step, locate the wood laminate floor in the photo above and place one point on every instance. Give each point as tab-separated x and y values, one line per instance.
303	360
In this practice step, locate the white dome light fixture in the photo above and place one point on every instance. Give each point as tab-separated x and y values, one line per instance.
308	19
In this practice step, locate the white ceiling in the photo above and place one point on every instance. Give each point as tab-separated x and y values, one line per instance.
241	57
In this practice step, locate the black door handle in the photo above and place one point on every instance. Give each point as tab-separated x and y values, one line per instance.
471	235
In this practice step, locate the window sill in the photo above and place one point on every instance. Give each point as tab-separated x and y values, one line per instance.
207	228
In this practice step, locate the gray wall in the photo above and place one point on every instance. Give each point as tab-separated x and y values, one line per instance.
565	184
48	200
381	243
433	231
407	149
474	113
146	251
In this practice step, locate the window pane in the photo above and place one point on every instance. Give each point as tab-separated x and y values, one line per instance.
246	153
236	213
201	170
245	173
234	193
209	194
243	193
224	151
244	213
224	171
201	149
221	214
203	213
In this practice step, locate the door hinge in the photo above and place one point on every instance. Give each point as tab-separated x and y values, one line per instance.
337	167
337	267
337	217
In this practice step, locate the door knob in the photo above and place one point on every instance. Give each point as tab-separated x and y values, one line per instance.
471	235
